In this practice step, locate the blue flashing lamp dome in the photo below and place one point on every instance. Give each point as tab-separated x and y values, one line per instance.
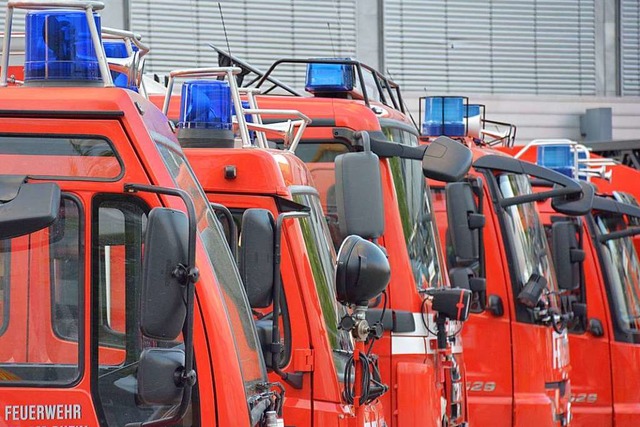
323	77
59	46
118	49
115	48
247	117
444	116
472	110
559	158
205	104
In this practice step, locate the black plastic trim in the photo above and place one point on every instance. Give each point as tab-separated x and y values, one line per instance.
63	114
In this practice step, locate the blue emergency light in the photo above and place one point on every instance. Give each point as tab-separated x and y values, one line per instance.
59	46
205	104
115	48
472	110
118	49
247	118
444	116
560	158
323	77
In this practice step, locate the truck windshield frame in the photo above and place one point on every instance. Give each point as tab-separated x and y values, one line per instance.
222	263
322	259
620	262
526	241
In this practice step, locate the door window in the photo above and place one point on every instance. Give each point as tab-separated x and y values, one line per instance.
117	248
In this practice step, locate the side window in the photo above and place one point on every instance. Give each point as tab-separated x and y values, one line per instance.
416	215
42	272
117	248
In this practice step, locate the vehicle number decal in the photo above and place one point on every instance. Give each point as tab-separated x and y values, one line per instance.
481	386
584	398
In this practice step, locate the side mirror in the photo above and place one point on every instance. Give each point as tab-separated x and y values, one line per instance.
359	193
464	222
567	255
452	304
157	372
163	307
446	160
25	207
532	291
256	256
575	206
362	271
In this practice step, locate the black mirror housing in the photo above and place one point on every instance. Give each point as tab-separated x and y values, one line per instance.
26	207
575	206
163	308
157	372
532	291
567	255
446	160
359	194
256	256
464	222
362	271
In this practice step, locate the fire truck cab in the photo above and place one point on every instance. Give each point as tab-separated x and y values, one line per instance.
303	335
517	346
120	300
420	350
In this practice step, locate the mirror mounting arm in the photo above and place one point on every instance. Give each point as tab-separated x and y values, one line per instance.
292	378
188	375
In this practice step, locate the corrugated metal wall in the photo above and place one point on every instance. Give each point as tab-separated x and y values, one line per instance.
259	32
630	47
492	46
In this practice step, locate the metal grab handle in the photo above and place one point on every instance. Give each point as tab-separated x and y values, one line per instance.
88	6
302	124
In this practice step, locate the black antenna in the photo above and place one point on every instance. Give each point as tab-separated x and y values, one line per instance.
225	29
333	47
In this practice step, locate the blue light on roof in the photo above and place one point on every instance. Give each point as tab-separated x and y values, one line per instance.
205	104
559	158
444	116
472	110
59	46
329	77
118	49
115	48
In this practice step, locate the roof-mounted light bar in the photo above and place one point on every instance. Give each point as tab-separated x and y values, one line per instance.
569	158
287	128
89	7
131	64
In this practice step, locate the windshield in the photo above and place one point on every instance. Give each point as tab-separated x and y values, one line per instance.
529	250
624	271
210	231
416	214
322	259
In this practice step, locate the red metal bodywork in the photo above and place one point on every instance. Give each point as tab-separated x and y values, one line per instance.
606	384
128	121
409	363
508	362
261	177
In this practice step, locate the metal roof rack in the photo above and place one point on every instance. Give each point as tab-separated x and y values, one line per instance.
388	91
291	130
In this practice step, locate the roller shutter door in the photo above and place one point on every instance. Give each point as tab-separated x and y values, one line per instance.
630	47
491	46
259	31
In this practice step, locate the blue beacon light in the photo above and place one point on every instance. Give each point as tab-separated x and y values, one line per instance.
560	158
205	104
444	116
118	49
59	47
326	77
247	118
